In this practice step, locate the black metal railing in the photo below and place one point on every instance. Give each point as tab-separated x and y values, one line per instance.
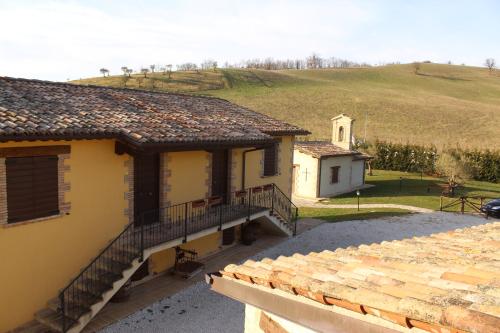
86	289
283	206
158	226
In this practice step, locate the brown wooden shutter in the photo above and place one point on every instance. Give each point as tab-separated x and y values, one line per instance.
270	160
32	187
335	174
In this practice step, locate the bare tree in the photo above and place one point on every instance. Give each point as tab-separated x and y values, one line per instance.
455	170
145	71
152	67
188	66
169	70
416	67
209	64
104	71
123	80
312	62
490	63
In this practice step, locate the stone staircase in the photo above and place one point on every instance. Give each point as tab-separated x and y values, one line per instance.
96	284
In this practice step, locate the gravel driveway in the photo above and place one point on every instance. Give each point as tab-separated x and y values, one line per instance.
197	309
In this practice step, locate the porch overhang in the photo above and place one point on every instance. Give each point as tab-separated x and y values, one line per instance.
311	316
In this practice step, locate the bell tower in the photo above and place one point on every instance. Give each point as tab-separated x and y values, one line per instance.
342	134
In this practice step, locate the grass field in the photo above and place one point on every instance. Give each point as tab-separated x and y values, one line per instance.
443	104
339	215
414	190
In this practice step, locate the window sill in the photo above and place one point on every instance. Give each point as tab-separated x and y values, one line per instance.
278	174
40	219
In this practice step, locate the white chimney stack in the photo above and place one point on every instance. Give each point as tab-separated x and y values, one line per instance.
342	134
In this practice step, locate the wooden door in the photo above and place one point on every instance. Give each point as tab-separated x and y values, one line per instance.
220	173
146	188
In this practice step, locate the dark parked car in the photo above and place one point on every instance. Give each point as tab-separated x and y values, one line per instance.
492	208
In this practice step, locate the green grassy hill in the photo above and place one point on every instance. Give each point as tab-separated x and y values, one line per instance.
443	104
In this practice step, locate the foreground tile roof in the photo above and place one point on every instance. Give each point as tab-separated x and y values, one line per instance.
32	109
321	149
446	282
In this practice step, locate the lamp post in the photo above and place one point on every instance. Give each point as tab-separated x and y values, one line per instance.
358	194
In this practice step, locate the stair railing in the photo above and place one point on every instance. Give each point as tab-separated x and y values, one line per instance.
284	207
75	294
158	226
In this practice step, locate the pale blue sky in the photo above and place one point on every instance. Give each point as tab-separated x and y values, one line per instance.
59	40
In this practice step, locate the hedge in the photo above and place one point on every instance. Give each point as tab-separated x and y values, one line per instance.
484	165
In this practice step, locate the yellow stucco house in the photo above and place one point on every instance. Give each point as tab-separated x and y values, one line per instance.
97	183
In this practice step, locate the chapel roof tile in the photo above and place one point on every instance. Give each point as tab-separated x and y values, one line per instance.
322	149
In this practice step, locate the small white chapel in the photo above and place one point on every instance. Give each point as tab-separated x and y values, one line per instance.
328	168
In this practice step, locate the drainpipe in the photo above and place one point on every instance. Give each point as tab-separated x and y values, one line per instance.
243	168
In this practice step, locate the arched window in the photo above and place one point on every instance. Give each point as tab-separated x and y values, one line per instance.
341	133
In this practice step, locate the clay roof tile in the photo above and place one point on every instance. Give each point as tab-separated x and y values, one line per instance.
449	280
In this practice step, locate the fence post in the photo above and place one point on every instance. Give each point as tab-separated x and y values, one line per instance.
462	208
296	220
185	222
142	237
220	216
249	199
441	203
272	201
63	311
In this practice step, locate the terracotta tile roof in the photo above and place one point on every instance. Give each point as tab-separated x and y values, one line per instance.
321	149
437	283
42	109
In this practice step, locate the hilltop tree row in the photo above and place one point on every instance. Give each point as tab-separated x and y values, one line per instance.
314	61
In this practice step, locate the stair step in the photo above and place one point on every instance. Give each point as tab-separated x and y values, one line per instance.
105	276
121	255
33	327
73	310
82	298
112	265
54	320
94	286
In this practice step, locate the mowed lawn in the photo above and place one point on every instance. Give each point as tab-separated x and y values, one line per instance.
404	188
349	214
400	188
444	105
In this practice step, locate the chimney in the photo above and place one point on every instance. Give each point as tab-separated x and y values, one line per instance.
342	134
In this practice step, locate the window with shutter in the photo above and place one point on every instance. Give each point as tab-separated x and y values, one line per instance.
32	187
334	174
270	161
